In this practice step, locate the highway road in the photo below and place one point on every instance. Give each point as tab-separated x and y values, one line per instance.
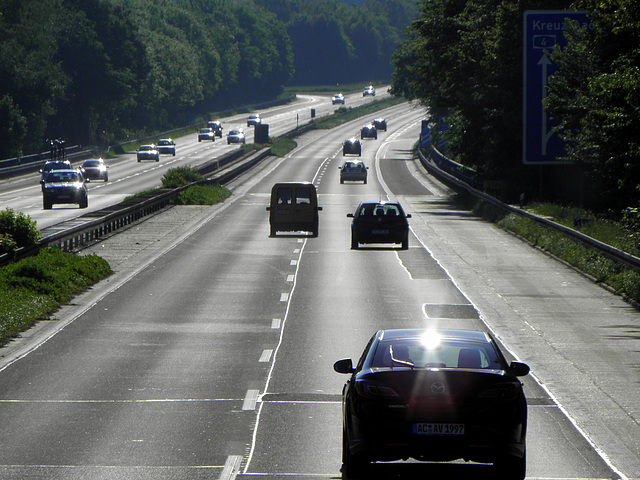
209	352
127	176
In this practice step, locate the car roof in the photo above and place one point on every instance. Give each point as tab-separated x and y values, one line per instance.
446	334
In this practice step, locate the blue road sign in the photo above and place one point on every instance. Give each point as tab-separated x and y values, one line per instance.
543	31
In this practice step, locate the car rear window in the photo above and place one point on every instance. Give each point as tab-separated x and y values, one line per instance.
448	355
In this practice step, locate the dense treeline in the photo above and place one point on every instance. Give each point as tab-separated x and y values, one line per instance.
463	58
97	71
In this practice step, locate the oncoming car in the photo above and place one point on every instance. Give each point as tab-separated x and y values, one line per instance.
253	120
337	98
434	395
95	169
148	152
216	126
236	136
166	145
206	134
369	131
369	91
64	186
351	146
354	171
55	165
379	222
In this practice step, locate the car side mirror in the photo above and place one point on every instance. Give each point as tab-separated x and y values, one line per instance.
268	208
42	182
408	215
319	208
520	369
344	366
350	215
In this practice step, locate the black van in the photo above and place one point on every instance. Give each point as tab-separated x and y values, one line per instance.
294	207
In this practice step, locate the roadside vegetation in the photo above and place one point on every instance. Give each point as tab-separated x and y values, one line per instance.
34	287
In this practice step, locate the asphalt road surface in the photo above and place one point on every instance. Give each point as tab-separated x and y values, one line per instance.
209	352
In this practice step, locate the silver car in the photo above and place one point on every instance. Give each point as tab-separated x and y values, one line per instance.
148	152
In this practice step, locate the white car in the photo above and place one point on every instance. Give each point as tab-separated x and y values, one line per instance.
369	91
148	152
235	136
206	134
253	120
337	98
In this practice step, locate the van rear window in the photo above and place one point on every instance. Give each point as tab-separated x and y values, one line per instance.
303	196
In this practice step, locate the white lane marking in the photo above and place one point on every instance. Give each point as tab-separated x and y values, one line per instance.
266	355
293	263
284	297
250	400
231	467
275	323
290	278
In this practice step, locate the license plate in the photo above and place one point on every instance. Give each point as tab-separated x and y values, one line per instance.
434	429
379	232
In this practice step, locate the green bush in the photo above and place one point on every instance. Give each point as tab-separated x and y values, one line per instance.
202	195
180	176
32	288
17	230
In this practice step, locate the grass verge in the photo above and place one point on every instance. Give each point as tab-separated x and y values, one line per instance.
34	287
346	114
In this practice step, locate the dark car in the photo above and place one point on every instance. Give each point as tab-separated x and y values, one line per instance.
380	124
64	186
434	395
55	165
369	131
354	171
379	222
253	120
166	146
216	126
95	169
352	146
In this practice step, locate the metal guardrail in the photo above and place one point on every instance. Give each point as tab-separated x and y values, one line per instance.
71	234
610	252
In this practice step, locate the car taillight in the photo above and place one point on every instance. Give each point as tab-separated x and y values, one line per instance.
502	391
375	390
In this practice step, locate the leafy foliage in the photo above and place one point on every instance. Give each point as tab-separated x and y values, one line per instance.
30	289
180	176
98	71
17	230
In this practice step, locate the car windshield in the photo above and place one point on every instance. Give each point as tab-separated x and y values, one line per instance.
448	354
205	130
164	142
234	132
353	165
55	166
146	148
91	163
57	177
